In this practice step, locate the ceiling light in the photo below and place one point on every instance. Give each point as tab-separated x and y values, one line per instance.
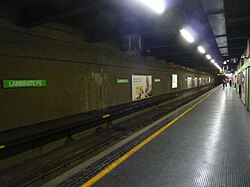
201	49
213	61
216	65
187	35
208	57
157	5
225	62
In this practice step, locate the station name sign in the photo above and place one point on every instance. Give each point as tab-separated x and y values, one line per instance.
24	83
121	81
157	80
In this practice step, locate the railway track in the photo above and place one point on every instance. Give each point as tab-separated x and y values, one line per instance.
104	138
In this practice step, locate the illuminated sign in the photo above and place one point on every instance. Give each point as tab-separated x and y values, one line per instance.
121	81
157	80
24	83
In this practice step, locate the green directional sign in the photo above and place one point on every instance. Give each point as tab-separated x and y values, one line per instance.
24	83
157	80
121	81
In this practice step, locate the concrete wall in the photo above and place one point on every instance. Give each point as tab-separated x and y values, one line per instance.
80	76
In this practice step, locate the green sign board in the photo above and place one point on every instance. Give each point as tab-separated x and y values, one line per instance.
121	81
246	65
23	83
157	80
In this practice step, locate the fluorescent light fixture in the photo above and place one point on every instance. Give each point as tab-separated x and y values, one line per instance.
187	35
208	57
201	49
217	66
157	5
213	61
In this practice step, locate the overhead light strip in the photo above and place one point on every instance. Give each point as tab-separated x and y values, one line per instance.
188	36
201	49
158	6
208	57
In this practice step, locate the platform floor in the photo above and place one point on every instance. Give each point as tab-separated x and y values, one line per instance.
210	146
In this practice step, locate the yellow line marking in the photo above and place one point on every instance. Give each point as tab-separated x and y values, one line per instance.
139	146
2	146
106	116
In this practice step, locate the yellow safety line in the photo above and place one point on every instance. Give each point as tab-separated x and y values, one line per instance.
2	146
106	116
139	146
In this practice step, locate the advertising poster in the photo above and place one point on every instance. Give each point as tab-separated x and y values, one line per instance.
243	91
200	81
195	82
174	81
141	86
189	82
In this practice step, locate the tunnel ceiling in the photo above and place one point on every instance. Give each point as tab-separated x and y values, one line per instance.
222	27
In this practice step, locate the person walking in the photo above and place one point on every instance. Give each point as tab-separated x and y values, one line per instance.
230	82
224	83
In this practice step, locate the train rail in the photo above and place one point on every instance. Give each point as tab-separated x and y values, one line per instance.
157	107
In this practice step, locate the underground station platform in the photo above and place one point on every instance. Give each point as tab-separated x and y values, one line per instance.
206	144
124	93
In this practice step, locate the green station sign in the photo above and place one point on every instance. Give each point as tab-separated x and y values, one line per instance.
246	65
24	83
121	81
157	80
